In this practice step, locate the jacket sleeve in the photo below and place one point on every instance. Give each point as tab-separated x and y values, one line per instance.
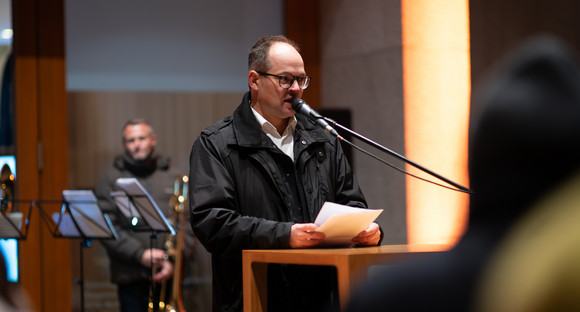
215	218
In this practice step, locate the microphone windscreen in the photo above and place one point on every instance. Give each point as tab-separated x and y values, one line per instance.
297	104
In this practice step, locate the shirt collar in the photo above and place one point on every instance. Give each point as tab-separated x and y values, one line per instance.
269	127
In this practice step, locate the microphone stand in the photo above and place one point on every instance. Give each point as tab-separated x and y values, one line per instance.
400	157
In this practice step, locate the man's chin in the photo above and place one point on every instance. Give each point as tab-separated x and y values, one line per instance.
139	157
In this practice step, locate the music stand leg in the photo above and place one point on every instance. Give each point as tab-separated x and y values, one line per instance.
81	281
153	288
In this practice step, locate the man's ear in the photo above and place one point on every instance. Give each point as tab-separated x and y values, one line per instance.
253	78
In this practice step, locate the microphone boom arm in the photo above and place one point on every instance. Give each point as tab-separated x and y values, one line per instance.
398	156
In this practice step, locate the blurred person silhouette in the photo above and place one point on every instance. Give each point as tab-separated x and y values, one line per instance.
6	299
523	145
12	298
133	255
537	266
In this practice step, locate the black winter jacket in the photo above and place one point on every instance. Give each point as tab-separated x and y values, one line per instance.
158	178
238	197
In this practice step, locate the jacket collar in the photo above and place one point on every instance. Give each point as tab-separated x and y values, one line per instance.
248	133
141	168
247	130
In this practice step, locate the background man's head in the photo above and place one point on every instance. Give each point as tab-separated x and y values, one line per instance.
139	140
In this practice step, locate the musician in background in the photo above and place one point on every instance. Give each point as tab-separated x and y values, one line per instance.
258	179
132	256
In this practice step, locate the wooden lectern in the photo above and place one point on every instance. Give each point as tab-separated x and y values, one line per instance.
351	265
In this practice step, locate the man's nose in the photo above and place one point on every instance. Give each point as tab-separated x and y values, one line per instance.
295	86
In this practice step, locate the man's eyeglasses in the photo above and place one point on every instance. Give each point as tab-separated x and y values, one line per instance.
286	81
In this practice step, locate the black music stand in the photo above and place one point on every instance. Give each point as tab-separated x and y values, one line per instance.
80	217
14	224
137	205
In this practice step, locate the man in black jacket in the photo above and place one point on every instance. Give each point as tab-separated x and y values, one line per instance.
259	177
131	256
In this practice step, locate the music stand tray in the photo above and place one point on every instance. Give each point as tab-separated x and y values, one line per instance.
10	225
82	218
136	202
14	224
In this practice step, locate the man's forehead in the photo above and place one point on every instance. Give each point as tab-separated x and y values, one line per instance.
136	131
280	49
285	57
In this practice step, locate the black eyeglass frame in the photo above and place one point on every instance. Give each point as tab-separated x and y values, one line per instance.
294	78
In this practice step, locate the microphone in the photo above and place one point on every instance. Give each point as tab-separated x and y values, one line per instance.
301	107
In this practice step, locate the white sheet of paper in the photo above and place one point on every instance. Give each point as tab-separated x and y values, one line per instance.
342	223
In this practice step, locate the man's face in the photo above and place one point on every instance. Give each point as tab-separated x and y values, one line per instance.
273	102
138	141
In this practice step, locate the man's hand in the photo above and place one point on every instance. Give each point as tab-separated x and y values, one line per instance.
370	236
165	273
157	258
153	257
304	235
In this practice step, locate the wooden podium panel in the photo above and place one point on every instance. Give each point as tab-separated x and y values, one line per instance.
350	263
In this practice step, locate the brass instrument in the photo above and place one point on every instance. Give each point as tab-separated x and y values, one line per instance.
170	298
6	189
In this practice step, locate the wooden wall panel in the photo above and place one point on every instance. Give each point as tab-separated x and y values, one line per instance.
302	18
497	26
96	119
26	132
41	146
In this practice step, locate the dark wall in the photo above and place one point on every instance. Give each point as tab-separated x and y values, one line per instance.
497	26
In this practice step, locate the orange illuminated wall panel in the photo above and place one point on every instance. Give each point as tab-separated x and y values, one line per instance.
436	79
